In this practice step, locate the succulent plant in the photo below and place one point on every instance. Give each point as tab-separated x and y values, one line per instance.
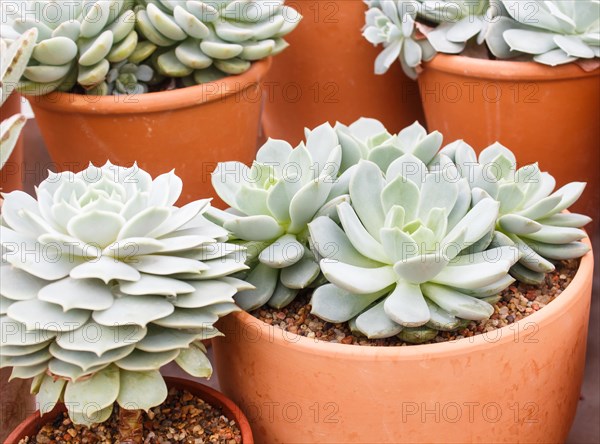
82	42
410	240
554	32
531	214
13	61
271	204
458	21
125	78
76	41
401	261
551	32
227	34
392	24
103	281
368	139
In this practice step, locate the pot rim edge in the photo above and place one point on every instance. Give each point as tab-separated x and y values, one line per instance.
225	403
179	98
504	70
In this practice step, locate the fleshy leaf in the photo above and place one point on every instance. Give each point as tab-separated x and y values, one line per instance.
375	323
134	310
336	305
357	280
406	305
37	314
195	362
284	252
264	278
456	303
93	394
141	390
69	293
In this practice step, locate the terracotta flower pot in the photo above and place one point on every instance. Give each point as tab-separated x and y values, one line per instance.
189	129
16	403
517	384
549	115
327	75
12	173
32	425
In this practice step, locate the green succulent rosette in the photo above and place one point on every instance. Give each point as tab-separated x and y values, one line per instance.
104	280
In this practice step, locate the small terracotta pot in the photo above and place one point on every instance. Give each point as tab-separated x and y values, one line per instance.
520	383
32	425
189	129
327	74
549	115
11	176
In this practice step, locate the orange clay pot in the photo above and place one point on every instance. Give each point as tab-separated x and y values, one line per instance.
32	425
517	384
549	115
327	74
11	175
189	129
16	403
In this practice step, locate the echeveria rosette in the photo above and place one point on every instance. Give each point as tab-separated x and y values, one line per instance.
400	261
531	214
391	23
103	281
271	204
368	139
553	32
125	78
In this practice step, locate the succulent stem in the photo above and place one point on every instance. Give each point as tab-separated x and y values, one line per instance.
130	426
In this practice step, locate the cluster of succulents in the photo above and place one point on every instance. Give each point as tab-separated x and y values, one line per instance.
76	41
13	62
84	42
272	202
409	239
103	281
551	32
228	35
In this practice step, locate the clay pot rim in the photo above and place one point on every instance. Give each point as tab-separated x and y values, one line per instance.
204	392
505	69
511	333
155	101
